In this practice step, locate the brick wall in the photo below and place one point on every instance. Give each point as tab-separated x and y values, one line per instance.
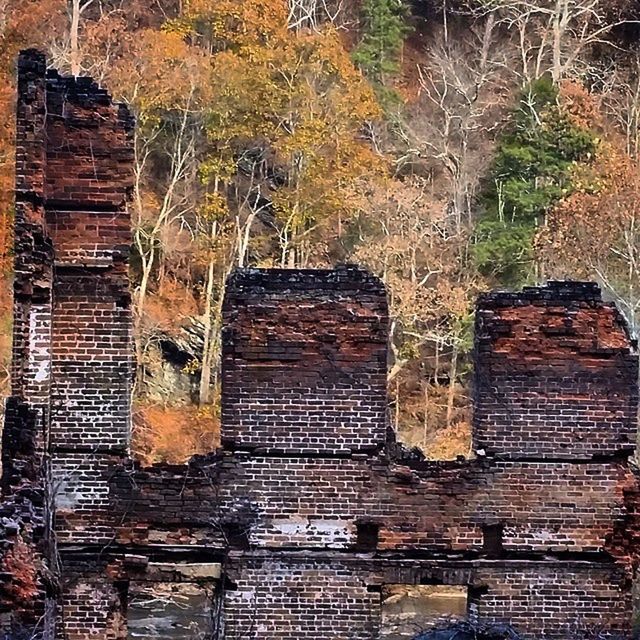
93	600
23	510
298	598
320	502
304	360
309	507
24	601
556	374
503	521
572	600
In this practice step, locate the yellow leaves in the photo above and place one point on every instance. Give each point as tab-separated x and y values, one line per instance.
300	97
236	24
180	26
244	99
306	136
214	208
163	73
218	168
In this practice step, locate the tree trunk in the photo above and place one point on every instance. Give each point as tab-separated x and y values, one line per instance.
451	394
204	396
74	53
425	422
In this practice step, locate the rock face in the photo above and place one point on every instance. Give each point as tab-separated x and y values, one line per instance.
298	525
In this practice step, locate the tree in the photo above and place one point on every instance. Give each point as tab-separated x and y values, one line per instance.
554	36
595	232
450	125
77	9
408	238
312	14
621	100
384	26
287	109
165	83
532	171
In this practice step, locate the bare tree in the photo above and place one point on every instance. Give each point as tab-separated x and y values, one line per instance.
462	95
621	100
77	9
176	200
553	36
431	287
310	14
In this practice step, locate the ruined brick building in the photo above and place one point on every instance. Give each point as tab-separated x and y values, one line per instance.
294	527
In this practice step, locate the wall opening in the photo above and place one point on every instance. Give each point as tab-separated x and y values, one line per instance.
492	540
367	534
170	611
408	610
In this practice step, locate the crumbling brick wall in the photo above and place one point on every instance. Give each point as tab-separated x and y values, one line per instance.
529	528
24	538
68	421
310	507
556	375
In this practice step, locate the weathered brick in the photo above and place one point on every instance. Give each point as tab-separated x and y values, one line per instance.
310	507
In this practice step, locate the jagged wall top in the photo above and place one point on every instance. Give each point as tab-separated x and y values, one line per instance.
556	374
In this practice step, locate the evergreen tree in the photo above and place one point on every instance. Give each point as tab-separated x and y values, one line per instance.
531	173
384	24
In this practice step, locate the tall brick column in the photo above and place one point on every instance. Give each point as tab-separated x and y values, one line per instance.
304	393
69	418
556	400
25	512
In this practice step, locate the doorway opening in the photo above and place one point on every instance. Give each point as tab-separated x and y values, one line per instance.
408	610
169	611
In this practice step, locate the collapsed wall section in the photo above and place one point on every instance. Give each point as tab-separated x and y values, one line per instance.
536	539
279	503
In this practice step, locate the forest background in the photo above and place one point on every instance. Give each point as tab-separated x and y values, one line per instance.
450	146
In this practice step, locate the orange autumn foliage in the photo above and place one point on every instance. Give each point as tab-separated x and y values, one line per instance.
173	434
585	227
20	562
582	107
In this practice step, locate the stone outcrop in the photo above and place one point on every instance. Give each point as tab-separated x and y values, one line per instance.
293	528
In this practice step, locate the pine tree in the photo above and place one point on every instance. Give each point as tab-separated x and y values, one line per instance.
532	171
384	25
